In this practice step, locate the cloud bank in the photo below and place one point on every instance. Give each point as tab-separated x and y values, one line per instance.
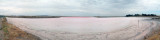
78	7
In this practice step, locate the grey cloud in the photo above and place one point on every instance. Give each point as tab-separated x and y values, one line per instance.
3	11
123	3
77	7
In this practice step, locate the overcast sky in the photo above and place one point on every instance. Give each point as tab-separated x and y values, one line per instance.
79	7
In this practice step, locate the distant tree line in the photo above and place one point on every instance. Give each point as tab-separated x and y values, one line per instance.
140	15
2	16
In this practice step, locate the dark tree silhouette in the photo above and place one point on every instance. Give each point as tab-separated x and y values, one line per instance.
153	15
129	15
144	14
137	15
141	15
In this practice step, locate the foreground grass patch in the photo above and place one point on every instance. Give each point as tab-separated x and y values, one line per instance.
12	32
154	37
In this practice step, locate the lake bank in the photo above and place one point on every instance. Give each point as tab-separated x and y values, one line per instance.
129	28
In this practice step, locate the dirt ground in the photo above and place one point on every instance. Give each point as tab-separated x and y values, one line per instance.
14	33
132	28
155	34
1	31
154	37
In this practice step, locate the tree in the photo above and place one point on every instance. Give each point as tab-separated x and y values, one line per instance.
153	15
129	15
137	15
144	14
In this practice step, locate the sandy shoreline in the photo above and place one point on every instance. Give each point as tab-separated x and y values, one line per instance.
132	32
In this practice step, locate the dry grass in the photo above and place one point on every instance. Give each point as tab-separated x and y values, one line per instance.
11	32
154	37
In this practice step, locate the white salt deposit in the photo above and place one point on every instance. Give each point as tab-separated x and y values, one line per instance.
85	28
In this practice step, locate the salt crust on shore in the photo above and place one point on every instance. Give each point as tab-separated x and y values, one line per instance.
121	28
